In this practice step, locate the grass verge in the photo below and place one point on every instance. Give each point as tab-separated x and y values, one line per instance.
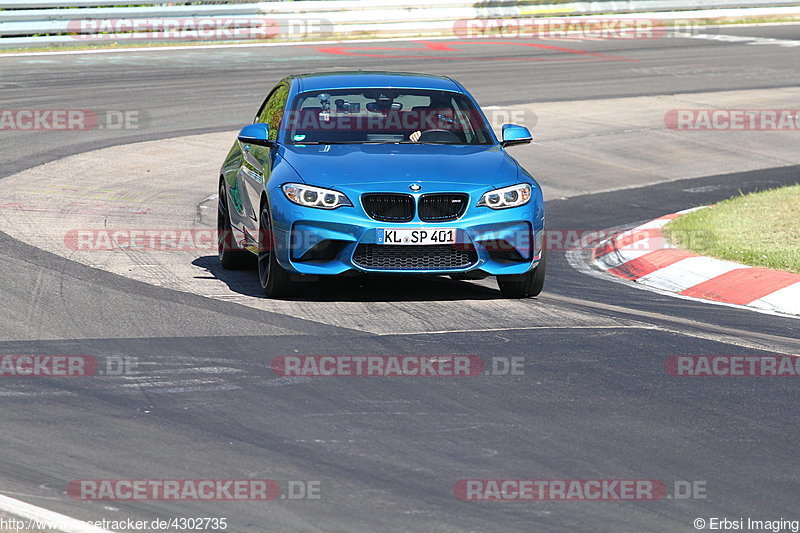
759	229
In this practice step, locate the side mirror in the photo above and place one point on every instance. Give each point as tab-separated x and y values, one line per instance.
513	134
256	134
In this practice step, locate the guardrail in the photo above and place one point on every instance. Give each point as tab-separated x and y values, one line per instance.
49	22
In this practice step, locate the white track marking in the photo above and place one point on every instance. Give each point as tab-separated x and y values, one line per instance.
786	298
489	330
578	260
616	258
691	209
650	244
785	43
36	393
653	224
687	273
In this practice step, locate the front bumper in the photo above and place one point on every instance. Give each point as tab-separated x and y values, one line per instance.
331	242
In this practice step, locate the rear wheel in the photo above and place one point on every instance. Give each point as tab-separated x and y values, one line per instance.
230	256
524	286
275	281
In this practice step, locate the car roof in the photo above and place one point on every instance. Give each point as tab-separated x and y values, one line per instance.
378	79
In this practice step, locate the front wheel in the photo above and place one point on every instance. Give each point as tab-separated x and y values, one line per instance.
275	281
524	286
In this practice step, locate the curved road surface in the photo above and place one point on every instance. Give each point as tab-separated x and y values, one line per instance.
594	401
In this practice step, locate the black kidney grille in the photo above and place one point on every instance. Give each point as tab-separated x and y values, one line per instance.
441	207
389	207
433	257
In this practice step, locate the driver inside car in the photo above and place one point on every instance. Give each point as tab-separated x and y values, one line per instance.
437	116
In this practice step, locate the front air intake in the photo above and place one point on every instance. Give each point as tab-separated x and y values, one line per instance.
388	207
442	207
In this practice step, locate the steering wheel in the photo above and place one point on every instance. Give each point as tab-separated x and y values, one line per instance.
438	136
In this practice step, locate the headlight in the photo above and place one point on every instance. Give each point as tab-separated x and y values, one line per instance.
507	197
315	196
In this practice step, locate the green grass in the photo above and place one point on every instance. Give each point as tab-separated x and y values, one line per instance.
759	229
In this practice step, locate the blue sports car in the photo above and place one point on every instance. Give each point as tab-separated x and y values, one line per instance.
380	173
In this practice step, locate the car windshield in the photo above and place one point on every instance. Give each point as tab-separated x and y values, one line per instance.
360	116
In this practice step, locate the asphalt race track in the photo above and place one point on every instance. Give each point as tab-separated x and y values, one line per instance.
594	401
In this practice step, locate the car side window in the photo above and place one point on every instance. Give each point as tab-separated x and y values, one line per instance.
271	112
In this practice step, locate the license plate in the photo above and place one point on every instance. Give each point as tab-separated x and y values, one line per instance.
416	236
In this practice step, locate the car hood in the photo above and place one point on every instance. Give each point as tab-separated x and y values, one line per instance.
364	164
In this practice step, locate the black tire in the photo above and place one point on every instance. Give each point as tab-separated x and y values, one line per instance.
525	286
275	281
230	256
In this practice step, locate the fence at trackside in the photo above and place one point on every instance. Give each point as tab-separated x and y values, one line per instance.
29	23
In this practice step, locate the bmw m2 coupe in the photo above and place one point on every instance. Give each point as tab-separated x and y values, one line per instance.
379	173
